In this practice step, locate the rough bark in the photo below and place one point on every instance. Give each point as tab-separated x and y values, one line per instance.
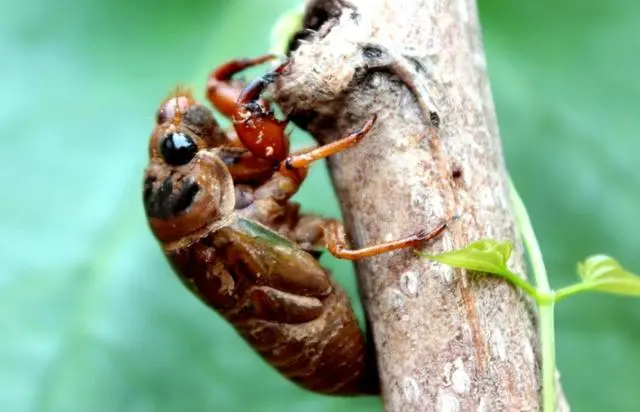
446	340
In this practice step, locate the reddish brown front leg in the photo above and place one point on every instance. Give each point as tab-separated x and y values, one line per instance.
257	128
222	91
255	125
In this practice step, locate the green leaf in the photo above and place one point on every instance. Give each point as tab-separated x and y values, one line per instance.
483	256
488	256
605	274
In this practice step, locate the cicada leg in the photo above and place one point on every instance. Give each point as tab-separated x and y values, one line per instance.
312	232
308	156
223	91
335	239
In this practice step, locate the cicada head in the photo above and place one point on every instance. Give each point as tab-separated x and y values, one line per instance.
187	188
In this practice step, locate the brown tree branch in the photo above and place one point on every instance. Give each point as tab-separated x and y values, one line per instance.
447	340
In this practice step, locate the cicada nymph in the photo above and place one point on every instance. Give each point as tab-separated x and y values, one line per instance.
219	204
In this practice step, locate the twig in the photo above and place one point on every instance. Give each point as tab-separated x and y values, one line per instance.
446	340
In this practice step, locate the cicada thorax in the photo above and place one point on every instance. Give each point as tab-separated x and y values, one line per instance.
229	253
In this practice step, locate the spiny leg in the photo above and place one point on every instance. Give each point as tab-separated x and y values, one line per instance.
312	232
296	164
222	91
309	156
336	242
257	128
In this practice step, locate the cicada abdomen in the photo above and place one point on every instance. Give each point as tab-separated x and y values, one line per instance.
284	304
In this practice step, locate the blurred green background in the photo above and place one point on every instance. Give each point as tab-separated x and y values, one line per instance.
92	319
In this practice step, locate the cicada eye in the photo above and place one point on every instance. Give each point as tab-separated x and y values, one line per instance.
177	149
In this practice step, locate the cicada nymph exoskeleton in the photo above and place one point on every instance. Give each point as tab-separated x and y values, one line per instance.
219	204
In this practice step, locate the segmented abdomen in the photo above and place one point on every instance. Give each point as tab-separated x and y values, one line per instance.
325	355
315	341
